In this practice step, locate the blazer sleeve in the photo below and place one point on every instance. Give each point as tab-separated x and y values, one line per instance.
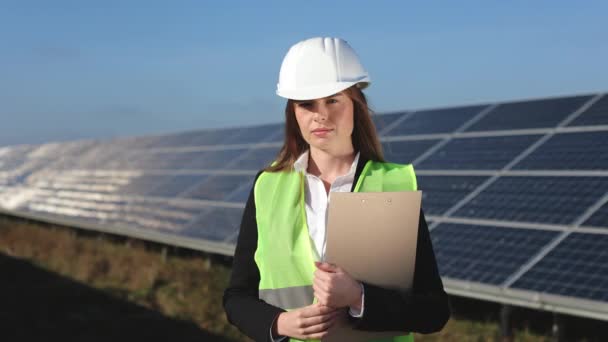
243	307
425	309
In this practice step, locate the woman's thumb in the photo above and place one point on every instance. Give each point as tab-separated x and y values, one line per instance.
327	267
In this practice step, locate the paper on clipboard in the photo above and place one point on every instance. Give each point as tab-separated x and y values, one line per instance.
372	236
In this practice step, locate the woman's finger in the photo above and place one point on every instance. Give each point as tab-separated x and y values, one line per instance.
306	322
316	310
320	293
321	326
316	292
321	297
320	285
322	275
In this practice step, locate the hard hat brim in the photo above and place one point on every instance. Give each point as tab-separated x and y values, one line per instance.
317	92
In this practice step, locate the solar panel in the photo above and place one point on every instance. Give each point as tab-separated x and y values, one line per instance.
98	156
405	151
176	185
439	193
218	187
385	120
570	151
132	213
599	218
168	160
481	153
256	159
141	185
493	223
257	134
14	157
148	219
221	159
242	194
219	224
138	142
88	182
597	114
529	114
201	160
197	138
559	200
434	121
485	254
577	266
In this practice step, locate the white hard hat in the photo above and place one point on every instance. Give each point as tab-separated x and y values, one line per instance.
320	67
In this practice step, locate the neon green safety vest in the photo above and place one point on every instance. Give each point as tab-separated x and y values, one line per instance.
284	252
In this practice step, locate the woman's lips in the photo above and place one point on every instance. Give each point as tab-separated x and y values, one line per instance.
321	132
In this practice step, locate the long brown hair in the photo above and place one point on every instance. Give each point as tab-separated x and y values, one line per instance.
365	138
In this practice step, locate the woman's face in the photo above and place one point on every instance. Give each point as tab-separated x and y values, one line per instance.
326	123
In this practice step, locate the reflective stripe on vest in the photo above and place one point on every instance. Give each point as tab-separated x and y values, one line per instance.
284	253
288	298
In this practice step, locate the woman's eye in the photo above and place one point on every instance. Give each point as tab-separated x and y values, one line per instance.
332	101
304	104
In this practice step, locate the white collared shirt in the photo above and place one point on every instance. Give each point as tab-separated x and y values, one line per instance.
317	199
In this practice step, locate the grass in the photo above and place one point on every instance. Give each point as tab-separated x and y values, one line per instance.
183	287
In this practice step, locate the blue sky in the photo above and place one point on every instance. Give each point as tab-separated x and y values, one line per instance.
101	69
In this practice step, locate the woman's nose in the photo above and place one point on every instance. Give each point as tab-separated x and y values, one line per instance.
320	114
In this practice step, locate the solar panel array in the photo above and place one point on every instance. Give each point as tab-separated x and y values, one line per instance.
516	194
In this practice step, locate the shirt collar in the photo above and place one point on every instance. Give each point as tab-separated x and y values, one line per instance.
301	164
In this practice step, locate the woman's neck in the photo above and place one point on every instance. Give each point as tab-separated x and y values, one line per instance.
329	165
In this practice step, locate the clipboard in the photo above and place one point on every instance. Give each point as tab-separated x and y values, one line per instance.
373	237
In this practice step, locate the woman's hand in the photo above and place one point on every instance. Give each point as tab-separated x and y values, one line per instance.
334	287
309	322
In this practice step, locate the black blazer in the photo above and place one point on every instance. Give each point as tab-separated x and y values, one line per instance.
425	309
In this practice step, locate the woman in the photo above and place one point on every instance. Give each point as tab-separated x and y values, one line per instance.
278	289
